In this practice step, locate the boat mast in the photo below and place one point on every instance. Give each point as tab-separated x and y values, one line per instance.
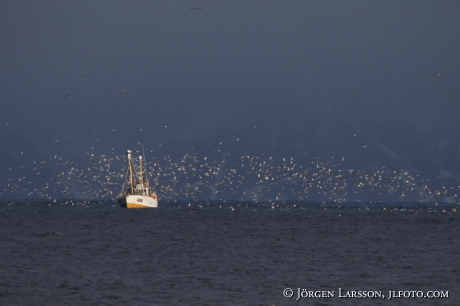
131	183
141	179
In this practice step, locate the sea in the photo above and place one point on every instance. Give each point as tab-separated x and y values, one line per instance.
73	252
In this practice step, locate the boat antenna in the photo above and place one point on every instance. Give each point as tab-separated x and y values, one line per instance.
130	169
143	157
145	167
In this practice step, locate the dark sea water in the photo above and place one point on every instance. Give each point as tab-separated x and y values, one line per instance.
81	253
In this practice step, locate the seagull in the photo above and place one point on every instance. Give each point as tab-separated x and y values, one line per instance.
195	8
437	74
66	95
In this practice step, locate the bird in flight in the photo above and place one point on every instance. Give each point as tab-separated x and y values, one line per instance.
66	95
195	8
437	74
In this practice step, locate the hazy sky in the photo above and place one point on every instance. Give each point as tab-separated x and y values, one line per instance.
306	79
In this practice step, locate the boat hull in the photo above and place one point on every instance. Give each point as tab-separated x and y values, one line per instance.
138	201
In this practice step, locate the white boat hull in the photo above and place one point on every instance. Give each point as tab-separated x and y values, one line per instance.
138	201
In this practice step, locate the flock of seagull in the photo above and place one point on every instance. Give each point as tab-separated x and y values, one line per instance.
190	177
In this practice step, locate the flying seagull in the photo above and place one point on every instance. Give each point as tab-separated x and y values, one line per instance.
195	8
437	74
66	95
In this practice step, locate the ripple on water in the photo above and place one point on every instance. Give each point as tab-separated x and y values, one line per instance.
210	254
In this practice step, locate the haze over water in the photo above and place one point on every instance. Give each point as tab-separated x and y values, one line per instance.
373	83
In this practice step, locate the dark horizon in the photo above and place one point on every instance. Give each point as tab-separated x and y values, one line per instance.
374	84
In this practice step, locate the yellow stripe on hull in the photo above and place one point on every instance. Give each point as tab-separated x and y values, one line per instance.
133	205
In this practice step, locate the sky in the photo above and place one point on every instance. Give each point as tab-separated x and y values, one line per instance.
371	83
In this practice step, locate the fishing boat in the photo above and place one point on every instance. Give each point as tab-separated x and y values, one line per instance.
136	192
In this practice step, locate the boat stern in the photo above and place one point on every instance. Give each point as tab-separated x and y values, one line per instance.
138	201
